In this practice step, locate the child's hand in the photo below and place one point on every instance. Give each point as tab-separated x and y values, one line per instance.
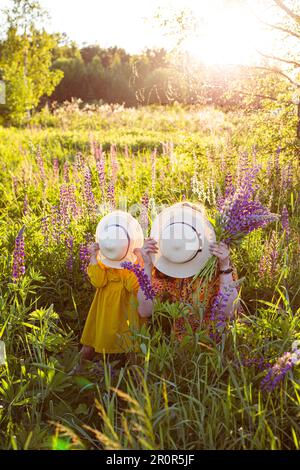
93	249
221	251
143	254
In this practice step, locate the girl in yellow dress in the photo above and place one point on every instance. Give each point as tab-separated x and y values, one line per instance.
119	305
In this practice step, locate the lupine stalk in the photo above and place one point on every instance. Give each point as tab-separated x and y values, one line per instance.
111	195
84	254
218	316
277	373
67	172
143	279
56	224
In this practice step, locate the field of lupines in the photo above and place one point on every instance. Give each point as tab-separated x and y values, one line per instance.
59	176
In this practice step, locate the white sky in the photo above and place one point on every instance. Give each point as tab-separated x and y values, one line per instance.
228	33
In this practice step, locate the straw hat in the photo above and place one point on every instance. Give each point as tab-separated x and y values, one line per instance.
183	234
118	234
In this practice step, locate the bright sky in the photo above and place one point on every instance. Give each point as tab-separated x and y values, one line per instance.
229	34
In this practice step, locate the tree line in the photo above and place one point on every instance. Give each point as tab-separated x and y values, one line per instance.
38	67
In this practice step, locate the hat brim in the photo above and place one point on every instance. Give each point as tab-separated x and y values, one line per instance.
203	227
135	233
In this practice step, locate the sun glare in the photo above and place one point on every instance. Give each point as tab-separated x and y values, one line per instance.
227	36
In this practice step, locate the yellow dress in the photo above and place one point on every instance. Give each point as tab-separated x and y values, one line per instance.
113	314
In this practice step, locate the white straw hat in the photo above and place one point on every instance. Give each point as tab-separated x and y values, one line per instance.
183	234
118	234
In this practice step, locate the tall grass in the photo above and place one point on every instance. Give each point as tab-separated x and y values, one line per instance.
194	394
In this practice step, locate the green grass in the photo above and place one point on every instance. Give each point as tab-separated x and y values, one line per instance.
190	395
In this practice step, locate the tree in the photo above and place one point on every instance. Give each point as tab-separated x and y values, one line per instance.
26	60
252	85
286	64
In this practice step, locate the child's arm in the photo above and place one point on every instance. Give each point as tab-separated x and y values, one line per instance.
93	249
96	274
145	307
221	251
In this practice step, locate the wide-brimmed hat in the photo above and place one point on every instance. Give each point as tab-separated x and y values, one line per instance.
118	234
183	234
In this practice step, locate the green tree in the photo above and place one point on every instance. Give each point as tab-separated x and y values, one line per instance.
26	60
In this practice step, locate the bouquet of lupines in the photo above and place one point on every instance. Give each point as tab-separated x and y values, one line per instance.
239	213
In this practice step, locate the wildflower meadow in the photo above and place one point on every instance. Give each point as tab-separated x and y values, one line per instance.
237	387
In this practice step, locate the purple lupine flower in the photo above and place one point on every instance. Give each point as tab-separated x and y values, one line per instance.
18	269
111	195
289	174
285	181
73	207
277	372
68	206
88	191
56	224
78	167
285	221
142	277
259	362
56	167
229	188
70	249
25	204
41	165
84	257
218	315
64	204
240	213
67	172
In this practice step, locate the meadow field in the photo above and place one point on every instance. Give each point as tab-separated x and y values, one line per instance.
59	175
